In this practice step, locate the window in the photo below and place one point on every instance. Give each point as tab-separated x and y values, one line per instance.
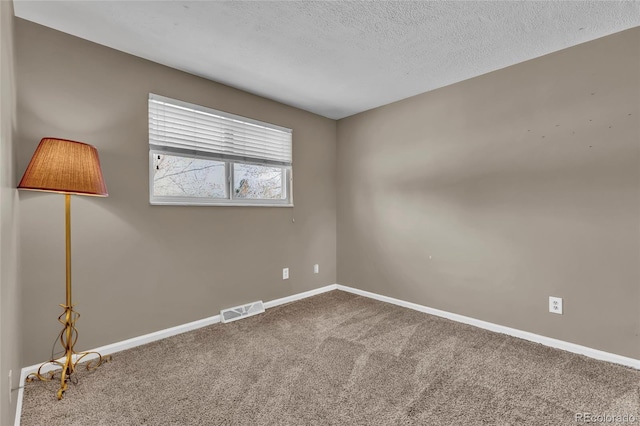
200	156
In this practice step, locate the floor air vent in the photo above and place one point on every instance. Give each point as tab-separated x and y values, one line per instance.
239	312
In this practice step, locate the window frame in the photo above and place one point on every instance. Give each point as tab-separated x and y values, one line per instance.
159	200
229	162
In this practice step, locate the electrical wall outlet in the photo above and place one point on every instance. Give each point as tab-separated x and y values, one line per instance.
10	371
316	269
285	273
555	305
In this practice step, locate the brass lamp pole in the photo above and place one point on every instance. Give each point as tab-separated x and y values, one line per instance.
66	167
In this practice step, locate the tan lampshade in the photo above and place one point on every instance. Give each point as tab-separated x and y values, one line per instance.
69	167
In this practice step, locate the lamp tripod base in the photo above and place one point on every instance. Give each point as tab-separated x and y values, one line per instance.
69	362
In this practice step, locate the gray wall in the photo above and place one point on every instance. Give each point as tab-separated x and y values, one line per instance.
520	184
10	341
140	268
485	197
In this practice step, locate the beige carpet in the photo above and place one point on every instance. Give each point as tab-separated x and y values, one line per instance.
339	359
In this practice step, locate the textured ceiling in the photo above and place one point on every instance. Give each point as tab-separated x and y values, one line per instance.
335	58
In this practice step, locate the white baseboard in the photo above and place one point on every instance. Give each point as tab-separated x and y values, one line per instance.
152	337
547	341
300	296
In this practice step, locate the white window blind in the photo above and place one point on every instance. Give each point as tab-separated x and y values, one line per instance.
180	126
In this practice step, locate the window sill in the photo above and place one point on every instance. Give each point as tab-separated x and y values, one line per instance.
205	204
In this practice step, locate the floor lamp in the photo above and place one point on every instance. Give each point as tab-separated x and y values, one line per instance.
66	167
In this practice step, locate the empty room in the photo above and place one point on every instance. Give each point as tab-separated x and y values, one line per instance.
319	212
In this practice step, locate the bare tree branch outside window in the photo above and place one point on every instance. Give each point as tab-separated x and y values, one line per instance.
188	177
258	182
